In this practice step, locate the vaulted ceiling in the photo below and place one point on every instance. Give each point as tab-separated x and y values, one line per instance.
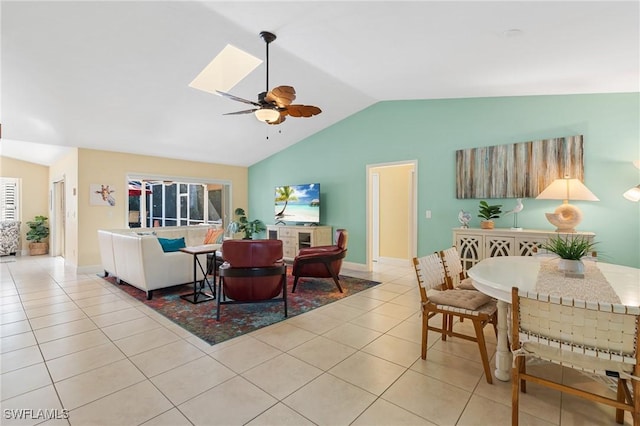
114	75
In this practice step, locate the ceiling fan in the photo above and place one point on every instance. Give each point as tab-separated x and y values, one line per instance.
273	106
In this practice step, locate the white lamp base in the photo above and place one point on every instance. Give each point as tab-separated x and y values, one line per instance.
566	217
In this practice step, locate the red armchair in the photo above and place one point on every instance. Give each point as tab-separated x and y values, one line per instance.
321	261
253	272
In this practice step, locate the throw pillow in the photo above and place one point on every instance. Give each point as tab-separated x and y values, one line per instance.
213	236
171	244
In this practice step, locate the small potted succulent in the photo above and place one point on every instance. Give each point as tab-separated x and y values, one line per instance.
570	250
38	231
487	213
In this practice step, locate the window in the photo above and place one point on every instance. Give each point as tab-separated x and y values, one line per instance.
9	199
167	202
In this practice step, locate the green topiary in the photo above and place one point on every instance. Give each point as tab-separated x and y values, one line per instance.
488	212
242	224
38	229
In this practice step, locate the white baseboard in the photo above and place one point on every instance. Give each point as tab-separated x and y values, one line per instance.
393	261
355	266
90	270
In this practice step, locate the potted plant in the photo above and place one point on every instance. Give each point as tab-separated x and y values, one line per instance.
38	231
488	213
570	250
242	224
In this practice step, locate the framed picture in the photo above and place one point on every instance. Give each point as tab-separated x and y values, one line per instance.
519	170
101	195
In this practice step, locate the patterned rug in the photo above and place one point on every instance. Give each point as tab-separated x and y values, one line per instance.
235	320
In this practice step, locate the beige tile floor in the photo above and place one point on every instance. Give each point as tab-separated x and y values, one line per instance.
76	343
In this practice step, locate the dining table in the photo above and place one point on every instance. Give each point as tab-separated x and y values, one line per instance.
496	276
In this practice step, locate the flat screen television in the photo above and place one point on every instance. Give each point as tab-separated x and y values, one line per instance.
297	204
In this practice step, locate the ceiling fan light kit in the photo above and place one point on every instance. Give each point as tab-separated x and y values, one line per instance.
274	105
267	115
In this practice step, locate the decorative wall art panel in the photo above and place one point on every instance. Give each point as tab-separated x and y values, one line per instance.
101	195
519	170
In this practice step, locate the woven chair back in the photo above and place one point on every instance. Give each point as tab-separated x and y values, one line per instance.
601	330
430	272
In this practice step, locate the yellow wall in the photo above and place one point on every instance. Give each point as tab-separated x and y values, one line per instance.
83	167
33	187
105	167
395	184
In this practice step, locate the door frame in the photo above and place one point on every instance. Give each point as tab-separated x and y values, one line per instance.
58	218
413	205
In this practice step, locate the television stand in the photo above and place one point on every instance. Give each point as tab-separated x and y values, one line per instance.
295	238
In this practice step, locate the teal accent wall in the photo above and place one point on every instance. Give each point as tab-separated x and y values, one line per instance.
430	131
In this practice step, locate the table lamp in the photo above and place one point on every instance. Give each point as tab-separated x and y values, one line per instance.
566	217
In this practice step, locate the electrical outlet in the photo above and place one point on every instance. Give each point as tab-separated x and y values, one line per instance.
427	214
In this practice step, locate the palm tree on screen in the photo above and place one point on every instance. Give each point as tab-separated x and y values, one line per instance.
286	194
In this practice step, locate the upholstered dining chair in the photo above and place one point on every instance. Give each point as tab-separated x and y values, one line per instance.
598	338
455	275
253	272
451	304
321	261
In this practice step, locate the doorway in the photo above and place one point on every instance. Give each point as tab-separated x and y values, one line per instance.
58	225
391	213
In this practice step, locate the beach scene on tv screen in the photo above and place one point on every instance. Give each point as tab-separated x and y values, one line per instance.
298	203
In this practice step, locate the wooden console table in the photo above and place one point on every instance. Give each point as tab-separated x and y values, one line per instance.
296	237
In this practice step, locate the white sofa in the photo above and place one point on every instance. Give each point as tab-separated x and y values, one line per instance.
135	256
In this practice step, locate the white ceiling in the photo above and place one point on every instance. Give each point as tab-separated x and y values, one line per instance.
114	75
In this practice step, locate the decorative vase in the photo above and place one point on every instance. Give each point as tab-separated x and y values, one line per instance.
487	224
571	268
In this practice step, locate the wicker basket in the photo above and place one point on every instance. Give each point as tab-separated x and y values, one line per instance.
36	249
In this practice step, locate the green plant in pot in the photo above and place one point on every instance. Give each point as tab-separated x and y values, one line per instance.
242	224
487	213
38	231
570	250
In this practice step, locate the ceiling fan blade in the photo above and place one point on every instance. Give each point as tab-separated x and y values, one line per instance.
303	110
235	98
282	96
246	111
279	120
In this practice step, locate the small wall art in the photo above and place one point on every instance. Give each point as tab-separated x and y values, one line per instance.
101	195
519	170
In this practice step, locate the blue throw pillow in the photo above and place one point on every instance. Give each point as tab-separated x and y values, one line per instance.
169	245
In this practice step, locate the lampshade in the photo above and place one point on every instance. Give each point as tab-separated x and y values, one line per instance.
267	114
567	189
633	194
566	216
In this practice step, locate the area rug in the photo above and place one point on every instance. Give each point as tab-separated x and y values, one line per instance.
235	320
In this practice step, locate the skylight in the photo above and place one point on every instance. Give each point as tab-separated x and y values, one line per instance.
225	70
